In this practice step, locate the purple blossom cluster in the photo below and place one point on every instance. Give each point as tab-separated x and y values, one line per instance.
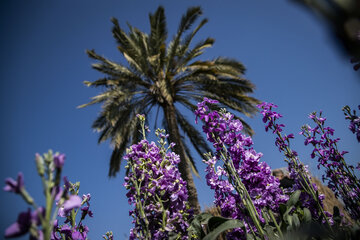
157	191
339	175
240	161
270	117
309	197
41	223
70	229
108	236
26	221
354	125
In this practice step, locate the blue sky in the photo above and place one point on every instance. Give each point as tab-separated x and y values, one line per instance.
289	55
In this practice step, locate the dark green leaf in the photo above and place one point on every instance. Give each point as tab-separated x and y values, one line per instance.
294	198
270	232
307	215
288	211
196	224
296	220
226	225
282	208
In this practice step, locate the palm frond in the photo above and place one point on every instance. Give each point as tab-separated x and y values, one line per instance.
156	73
186	21
193	53
115	160
128	133
195	137
187	40
115	70
248	108
110	94
190	160
158	31
189	18
129	47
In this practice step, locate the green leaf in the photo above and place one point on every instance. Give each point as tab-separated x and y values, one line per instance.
196	224
296	220
173	236
282	209
270	233
288	211
289	221
215	221
228	224
336	216
307	215
294	198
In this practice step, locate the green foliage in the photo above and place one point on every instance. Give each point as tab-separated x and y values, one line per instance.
205	226
158	74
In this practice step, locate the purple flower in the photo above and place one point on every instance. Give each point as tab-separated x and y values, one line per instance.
76	232
67	183
57	192
76	235
59	160
24	222
21	226
354	125
74	201
14	186
85	211
298	172
109	236
155	184
224	131
341	180
66	229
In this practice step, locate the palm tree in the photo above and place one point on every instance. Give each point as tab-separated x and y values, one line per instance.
165	76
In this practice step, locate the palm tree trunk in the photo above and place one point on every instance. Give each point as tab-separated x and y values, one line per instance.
184	168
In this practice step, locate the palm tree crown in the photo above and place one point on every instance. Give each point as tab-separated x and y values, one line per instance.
161	74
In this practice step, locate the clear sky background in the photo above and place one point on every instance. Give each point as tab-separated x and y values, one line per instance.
289	55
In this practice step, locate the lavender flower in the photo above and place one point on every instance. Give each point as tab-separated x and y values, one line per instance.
156	190
339	175
108	236
42	223
74	233
74	201
59	160
309	198
85	210
354	125
21	226
71	228
241	176
14	186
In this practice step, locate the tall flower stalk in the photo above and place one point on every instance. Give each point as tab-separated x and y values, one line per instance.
354	125
310	197
156	190
42	222
244	187
339	175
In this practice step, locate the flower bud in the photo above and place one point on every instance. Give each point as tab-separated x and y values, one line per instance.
59	160
39	164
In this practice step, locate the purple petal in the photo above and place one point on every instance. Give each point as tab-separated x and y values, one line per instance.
21	226
10	185
74	201
67	183
59	160
15	230
66	230
14	186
